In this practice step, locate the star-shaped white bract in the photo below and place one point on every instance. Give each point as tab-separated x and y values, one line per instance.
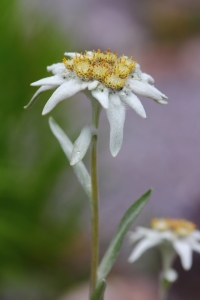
113	89
180	234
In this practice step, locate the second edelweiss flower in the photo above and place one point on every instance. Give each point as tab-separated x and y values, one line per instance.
113	81
172	236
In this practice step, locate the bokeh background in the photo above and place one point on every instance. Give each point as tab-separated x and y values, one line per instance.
44	215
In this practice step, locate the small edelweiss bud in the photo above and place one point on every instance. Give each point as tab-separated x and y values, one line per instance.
82	67
109	57
114	82
88	55
121	70
128	62
100	71
69	64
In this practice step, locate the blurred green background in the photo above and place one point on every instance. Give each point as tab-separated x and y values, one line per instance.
34	242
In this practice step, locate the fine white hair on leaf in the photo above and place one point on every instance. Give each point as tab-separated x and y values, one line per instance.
82	144
67	146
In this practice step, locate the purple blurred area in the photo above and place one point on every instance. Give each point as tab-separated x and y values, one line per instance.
162	151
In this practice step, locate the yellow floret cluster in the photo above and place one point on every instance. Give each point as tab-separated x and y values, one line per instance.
180	227
105	67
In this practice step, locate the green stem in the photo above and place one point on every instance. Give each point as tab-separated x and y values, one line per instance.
94	200
167	258
163	291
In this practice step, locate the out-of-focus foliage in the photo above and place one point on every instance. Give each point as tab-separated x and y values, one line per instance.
173	23
31	243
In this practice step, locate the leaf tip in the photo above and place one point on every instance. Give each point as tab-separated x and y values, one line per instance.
51	120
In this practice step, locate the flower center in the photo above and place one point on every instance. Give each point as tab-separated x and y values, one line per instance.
160	224
114	81
100	71
105	67
180	227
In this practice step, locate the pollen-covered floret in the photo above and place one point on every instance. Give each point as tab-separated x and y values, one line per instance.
105	67
121	70
100	71
82	67
105	56
113	81
180	227
69	64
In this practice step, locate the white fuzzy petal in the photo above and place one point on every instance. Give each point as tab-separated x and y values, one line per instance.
167	235
196	246
102	96
58	68
136	73
52	80
141	247
138	69
92	85
146	231
71	54
63	92
42	89
148	78
161	101
145	89
82	144
196	234
150	233
134	236
185	252
116	115
133	101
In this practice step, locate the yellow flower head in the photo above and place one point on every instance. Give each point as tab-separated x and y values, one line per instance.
180	227
105	67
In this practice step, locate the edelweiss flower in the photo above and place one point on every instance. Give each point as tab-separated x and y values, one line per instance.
173	236
113	81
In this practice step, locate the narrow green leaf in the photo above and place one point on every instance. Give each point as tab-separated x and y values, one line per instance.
99	291
67	146
116	243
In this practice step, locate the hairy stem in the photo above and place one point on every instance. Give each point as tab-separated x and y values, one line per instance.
94	200
162	289
167	257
